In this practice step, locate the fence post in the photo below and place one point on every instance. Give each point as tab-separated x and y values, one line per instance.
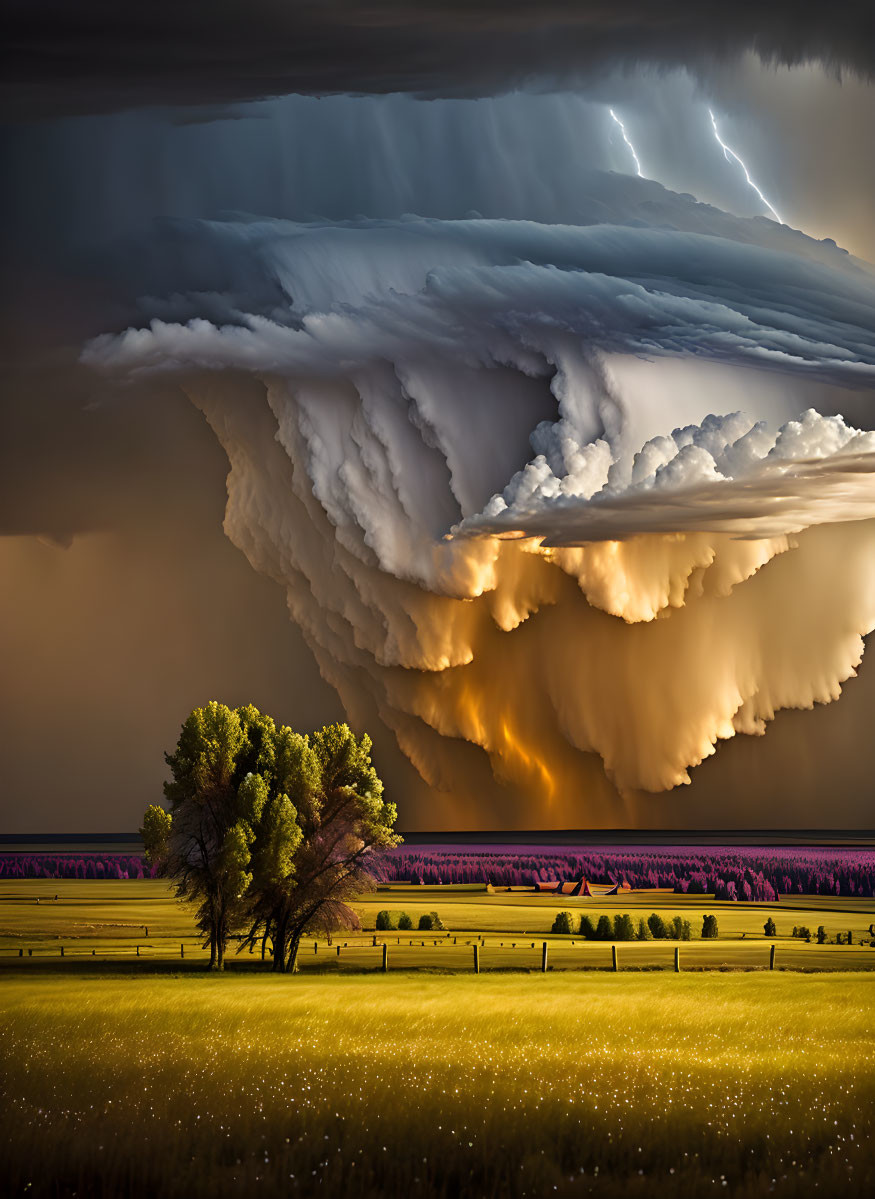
544	958
138	951
375	938
771	957
62	951
677	959
182	951
476	959
385	957
21	953
338	951
315	946
614	958
30	953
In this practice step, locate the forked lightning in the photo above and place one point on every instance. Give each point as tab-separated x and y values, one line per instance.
729	154
628	143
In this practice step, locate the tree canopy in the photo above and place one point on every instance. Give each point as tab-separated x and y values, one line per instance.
269	831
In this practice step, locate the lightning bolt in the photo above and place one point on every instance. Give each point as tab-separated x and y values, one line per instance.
729	155
628	143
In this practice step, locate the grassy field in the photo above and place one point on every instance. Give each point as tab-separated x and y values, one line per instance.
637	1085
126	1075
108	922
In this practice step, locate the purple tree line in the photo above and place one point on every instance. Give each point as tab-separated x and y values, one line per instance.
730	872
59	865
737	872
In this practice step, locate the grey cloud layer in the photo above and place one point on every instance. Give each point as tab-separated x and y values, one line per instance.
501	292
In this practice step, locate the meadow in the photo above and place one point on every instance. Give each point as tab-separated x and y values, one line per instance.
559	1084
137	923
145	1075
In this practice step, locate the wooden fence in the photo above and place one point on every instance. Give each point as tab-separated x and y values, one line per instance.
478	953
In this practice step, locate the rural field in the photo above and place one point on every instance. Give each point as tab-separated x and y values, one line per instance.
137	921
130	1070
502	1085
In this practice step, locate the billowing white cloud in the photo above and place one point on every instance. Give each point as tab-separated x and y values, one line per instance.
729	475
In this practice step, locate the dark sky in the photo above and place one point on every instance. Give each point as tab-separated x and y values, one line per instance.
102	56
122	603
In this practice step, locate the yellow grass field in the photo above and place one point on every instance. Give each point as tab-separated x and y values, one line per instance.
505	1085
106	922
128	1075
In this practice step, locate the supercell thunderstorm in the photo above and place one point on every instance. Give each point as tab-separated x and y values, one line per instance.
559	491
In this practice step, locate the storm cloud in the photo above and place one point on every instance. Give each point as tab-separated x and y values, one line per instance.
403	369
99	55
564	477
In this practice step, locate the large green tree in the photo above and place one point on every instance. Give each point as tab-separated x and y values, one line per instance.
210	837
225	811
268	830
345	822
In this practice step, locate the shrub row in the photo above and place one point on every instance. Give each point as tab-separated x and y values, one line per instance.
428	922
623	928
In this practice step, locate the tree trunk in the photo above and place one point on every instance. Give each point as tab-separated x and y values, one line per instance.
280	940
221	938
213	948
292	961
